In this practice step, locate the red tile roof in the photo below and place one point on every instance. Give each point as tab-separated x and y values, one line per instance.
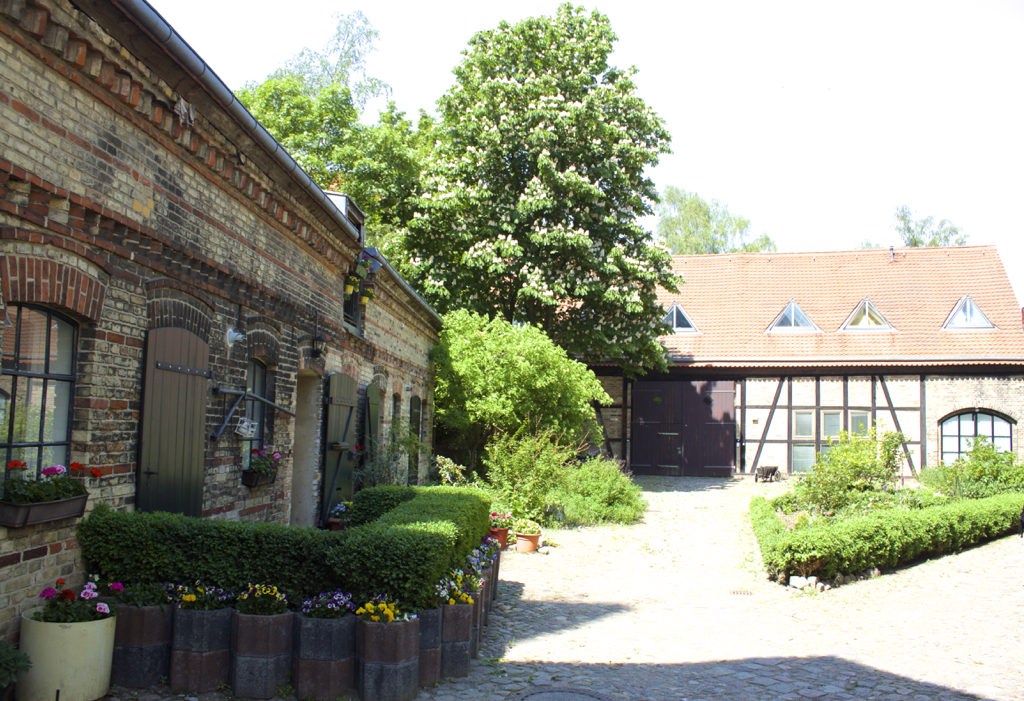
732	299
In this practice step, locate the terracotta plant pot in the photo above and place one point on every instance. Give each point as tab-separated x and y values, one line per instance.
501	535
200	649
142	645
527	543
389	660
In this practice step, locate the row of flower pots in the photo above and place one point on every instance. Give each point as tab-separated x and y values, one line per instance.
384	657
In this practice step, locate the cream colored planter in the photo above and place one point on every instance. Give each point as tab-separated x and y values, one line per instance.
72	658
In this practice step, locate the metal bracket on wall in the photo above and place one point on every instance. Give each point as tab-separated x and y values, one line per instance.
242	394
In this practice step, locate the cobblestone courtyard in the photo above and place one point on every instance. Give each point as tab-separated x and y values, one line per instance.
677	608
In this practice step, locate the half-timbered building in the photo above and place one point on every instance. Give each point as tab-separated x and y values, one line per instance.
773	354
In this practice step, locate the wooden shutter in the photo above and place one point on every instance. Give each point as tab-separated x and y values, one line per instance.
172	447
339	461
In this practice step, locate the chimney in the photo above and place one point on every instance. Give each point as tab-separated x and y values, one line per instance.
892	254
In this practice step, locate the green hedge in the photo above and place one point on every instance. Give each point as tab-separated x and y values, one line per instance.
404	553
882	539
370	504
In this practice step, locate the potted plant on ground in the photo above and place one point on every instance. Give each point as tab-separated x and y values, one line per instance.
498	527
13	663
340	516
325	643
58	493
70	640
387	647
263	463
261	635
142	639
527	535
201	637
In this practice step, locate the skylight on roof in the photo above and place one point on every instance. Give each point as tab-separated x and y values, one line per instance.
866	318
793	320
966	315
677	319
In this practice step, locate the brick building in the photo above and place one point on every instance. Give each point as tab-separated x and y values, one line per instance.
774	353
166	271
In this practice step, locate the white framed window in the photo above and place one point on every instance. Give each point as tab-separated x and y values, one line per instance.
678	320
255	410
967	316
860	422
959	431
866	318
793	320
803	458
831	424
803	424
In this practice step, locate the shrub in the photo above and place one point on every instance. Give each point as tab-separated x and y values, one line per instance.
598	492
523	467
493	376
372	503
403	553
13	663
883	538
981	473
854	463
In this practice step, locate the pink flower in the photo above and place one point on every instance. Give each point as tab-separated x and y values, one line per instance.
277	456
54	470
102	608
48	593
116	586
91	586
89	594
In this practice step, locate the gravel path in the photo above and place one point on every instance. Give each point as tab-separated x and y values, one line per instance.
676	607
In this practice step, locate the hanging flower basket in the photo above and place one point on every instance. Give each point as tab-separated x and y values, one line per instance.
351	282
367	294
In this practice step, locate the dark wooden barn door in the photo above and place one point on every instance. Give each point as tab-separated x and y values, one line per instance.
340	460
657	447
172	447
683	427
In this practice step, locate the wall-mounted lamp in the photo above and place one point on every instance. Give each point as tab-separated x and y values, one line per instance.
317	340
232	336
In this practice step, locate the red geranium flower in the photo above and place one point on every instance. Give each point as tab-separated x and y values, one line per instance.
76	467
67	594
16	465
96	472
60	582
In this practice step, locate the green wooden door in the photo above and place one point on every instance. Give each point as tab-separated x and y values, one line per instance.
340	458
172	447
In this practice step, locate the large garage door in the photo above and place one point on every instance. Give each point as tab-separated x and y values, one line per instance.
683	427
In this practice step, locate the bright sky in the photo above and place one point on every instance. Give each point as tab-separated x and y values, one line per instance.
814	120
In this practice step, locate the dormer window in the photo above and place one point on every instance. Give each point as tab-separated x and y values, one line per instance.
866	318
793	320
966	315
677	319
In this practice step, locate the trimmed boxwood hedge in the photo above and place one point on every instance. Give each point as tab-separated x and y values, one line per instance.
403	553
884	539
370	504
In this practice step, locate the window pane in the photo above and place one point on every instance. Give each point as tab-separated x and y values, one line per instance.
803	457
6	390
966	443
62	338
1002	444
29	456
10	338
966	424
803	424
950	444
1001	427
860	421
985	425
831	423
55	455
951	425
58	404
949	458
32	342
27	410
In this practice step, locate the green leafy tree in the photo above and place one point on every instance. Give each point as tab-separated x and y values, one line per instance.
534	191
925	232
689	224
494	376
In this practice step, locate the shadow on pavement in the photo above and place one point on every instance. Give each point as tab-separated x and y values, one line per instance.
823	677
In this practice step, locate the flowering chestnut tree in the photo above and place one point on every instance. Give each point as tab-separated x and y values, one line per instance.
533	195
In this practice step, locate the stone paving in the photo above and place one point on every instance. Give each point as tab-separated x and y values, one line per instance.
676	607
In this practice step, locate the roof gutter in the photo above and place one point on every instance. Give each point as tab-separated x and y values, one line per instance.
163	34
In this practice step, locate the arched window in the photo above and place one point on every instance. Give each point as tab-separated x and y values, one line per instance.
255	383
37	384
960	430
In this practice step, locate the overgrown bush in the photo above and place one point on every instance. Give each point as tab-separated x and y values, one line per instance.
597	491
981	473
523	468
854	464
493	376
882	538
403	552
